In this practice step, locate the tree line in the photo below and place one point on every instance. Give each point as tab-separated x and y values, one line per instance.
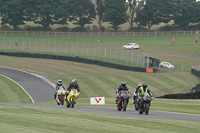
81	12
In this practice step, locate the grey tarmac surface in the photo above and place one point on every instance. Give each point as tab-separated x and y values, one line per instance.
38	89
41	91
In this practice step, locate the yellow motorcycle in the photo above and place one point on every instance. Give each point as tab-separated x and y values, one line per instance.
72	97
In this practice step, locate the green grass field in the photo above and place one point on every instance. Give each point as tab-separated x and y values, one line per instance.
10	92
159	47
23	120
101	81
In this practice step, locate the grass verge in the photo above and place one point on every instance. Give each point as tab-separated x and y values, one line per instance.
23	119
10	92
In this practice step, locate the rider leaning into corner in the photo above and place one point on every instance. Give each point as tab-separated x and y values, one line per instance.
72	85
144	89
120	88
57	87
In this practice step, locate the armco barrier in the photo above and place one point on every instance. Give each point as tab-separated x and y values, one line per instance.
76	59
182	96
196	72
195	93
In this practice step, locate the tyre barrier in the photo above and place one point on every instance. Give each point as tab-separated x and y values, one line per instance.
77	59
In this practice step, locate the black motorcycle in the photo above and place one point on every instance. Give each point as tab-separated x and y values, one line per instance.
144	103
123	100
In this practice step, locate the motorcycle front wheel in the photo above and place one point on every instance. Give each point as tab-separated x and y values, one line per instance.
62	100
147	108
72	102
124	105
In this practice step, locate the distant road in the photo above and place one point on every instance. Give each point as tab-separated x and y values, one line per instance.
38	89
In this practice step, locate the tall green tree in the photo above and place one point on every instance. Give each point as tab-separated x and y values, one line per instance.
12	12
49	12
154	12
196	13
100	10
183	12
81	12
132	5
115	12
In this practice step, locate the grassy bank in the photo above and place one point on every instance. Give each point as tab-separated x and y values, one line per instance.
102	81
10	92
160	47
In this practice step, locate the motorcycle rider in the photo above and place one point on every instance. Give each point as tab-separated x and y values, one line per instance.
72	85
120	88
136	92
57	87
144	89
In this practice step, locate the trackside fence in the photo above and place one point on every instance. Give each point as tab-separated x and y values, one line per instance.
92	51
101	34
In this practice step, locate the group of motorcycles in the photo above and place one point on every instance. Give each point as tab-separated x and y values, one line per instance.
70	99
142	103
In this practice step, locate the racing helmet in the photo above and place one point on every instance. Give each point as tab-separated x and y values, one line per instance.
59	82
74	81
144	85
123	84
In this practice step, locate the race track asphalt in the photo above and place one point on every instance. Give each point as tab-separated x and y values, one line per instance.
38	89
41	91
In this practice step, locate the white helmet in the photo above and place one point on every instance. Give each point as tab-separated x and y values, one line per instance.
74	81
59	82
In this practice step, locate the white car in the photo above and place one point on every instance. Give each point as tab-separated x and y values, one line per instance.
166	65
131	46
